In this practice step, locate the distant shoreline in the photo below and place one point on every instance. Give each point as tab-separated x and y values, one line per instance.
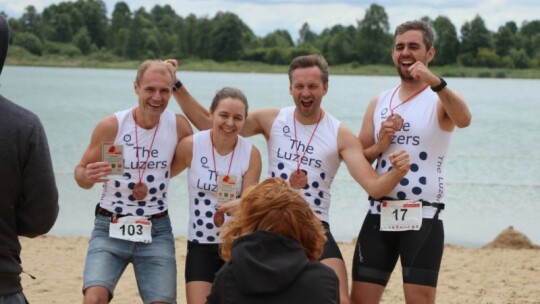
257	67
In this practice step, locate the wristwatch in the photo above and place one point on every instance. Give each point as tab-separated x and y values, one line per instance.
177	85
439	87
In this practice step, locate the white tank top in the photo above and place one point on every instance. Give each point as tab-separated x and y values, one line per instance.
117	193
424	140
321	159
203	187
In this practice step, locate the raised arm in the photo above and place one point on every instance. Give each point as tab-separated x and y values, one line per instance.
91	169
352	153
198	115
452	109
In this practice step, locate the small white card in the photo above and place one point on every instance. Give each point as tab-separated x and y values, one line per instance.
131	228
226	188
114	155
401	215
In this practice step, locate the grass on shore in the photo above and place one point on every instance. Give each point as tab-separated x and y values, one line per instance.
257	67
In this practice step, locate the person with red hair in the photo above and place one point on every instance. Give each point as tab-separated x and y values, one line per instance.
271	248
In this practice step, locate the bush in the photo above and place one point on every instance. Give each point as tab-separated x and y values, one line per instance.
62	49
520	58
30	42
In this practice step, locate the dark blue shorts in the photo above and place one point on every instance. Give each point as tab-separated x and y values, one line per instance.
202	262
331	249
377	252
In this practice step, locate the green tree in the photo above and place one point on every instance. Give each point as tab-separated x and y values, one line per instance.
475	35
505	40
94	15
30	42
306	35
278	38
118	31
521	59
137	36
29	19
374	41
446	41
168	24
528	31
226	37
82	41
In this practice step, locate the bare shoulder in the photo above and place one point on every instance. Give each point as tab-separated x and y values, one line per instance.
259	121
107	128
346	138
183	127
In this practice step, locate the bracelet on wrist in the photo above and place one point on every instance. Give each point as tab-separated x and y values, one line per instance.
177	85
440	86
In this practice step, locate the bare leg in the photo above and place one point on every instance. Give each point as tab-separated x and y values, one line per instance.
96	295
419	294
339	267
197	291
366	293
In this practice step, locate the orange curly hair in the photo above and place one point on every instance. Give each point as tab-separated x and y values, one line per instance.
274	206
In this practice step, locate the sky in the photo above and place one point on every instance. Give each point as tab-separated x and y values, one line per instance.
266	16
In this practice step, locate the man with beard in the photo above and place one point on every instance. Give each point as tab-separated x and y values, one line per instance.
418	116
306	145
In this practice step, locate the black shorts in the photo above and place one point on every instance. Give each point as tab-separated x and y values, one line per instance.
377	252
331	249
202	262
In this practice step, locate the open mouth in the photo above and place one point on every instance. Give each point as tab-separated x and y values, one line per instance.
407	62
306	104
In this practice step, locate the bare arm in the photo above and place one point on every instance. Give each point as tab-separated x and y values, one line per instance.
91	169
259	122
250	178
350	149
253	174
452	109
182	156
373	149
198	115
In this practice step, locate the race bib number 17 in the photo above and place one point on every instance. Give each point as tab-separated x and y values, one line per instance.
401	215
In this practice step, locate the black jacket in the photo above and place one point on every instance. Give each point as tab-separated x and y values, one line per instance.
269	268
28	193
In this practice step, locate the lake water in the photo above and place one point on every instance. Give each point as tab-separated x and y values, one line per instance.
493	168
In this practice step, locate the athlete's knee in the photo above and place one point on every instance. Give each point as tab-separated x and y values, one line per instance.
96	295
419	294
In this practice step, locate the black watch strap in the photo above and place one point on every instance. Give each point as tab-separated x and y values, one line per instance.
439	87
177	85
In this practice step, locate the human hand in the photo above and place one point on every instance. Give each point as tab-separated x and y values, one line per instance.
421	72
230	207
174	62
400	162
97	172
386	133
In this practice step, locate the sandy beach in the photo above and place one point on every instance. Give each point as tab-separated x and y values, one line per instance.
507	270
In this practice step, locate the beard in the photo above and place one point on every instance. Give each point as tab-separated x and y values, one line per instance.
405	76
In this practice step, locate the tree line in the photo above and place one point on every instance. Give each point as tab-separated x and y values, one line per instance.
82	28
